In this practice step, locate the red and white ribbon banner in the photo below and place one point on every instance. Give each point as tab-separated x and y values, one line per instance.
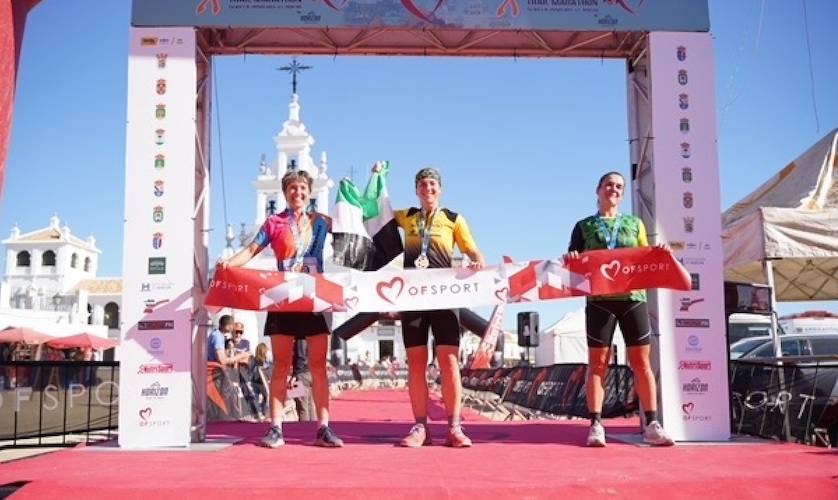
598	272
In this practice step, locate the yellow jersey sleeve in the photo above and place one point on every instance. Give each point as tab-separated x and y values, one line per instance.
462	236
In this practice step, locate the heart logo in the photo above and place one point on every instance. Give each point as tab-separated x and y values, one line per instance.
336	5
387	289
144	414
414	9
688	408
502	294
610	270
351	302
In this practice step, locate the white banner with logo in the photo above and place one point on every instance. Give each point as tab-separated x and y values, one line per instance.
432	288
155	384
692	345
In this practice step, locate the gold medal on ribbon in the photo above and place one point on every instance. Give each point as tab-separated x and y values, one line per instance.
421	262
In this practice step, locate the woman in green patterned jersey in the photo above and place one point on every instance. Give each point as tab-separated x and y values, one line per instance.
609	229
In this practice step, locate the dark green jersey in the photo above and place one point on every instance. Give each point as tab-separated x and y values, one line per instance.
588	235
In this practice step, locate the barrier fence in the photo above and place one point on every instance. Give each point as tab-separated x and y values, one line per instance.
39	399
549	391
796	400
793	401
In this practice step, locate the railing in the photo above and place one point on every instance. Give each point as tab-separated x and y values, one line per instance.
40	399
548	391
789	399
55	303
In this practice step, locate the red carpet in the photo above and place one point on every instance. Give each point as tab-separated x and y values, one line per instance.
509	459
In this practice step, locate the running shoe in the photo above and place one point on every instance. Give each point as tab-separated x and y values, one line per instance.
656	436
327	438
273	438
596	436
457	438
417	437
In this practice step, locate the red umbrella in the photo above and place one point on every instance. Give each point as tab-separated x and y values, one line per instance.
83	340
14	334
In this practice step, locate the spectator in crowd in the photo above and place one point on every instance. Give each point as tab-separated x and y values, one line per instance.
241	344
356	374
240	349
216	349
259	380
301	375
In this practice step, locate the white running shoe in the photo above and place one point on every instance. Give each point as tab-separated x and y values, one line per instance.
656	436
596	436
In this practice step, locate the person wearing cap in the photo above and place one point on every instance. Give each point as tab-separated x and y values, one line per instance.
430	233
298	240
242	345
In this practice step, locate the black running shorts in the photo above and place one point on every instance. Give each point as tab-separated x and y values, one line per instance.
602	317
298	325
445	325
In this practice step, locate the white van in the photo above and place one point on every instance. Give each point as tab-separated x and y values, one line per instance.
743	325
810	322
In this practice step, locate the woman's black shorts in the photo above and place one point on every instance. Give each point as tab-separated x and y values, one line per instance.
445	325
602	316
297	325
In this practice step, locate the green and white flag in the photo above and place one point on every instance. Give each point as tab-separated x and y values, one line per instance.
365	235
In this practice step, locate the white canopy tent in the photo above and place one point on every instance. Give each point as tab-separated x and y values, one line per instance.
566	342
789	225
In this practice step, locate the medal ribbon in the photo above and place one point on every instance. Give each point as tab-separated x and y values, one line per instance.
425	233
299	236
610	237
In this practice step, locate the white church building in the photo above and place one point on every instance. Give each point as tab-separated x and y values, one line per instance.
294	145
50	284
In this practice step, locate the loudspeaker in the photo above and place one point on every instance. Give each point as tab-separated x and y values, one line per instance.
528	329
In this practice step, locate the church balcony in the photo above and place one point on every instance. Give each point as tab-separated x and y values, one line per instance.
55	303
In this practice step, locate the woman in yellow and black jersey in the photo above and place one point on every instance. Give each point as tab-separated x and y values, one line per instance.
446	229
430	233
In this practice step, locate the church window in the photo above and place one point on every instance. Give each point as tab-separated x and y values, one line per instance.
23	259
48	259
74	260
87	264
112	315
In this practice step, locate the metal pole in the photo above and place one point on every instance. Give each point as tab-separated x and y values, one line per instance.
17	404
87	373
110	402
768	268
64	421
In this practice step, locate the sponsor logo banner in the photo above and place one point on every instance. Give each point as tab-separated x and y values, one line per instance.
569	15
163	324
597	272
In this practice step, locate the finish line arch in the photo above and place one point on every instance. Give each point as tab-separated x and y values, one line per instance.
672	133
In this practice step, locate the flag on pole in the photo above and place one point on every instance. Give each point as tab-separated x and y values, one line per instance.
365	236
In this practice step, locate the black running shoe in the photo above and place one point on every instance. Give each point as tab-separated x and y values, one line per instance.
327	438
273	438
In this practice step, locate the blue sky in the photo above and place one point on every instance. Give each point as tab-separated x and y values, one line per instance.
520	142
